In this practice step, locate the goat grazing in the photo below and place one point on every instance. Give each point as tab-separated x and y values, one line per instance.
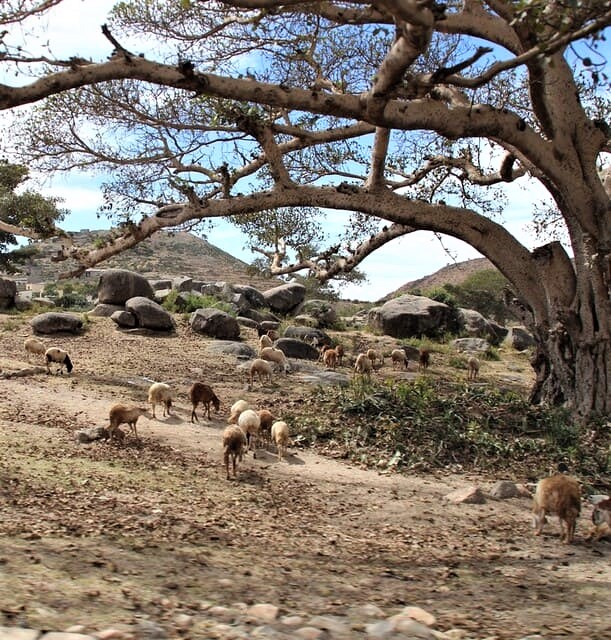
250	423
35	347
363	365
560	495
262	368
330	358
124	414
601	521
398	356
280	436
236	409
424	359
339	349
160	393
61	357
200	392
473	368
276	356
267	419
234	446
265	341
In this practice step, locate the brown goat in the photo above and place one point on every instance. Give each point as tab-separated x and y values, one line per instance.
424	359
200	392
560	495
234	446
473	368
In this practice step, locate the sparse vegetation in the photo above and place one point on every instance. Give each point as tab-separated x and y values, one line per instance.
434	424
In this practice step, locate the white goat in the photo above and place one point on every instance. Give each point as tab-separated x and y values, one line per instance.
262	368
280	436
250	423
236	409
34	346
363	365
265	341
61	357
160	393
275	355
473	368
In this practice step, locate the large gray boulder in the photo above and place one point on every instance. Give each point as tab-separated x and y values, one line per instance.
285	298
240	350
475	325
124	319
149	314
56	322
215	323
322	310
519	338
117	286
255	298
259	315
413	316
105	310
293	348
471	345
8	293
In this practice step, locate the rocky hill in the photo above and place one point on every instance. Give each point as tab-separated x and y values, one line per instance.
164	255
451	274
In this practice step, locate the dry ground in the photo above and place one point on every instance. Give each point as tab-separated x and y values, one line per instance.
99	534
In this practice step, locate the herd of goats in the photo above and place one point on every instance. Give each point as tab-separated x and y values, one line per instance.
558	494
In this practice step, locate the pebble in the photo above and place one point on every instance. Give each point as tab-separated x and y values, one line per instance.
262	620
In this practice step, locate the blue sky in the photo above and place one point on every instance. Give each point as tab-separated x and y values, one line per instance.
71	29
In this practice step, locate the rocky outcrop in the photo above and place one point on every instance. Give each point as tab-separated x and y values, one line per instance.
215	323
149	314
285	298
413	316
116	286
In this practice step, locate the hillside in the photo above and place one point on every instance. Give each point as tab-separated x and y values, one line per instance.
163	255
451	274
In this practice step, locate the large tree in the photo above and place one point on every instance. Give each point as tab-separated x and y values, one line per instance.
406	113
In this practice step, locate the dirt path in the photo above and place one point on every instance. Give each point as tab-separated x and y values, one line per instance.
104	533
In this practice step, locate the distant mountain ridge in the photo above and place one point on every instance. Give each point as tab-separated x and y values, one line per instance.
164	255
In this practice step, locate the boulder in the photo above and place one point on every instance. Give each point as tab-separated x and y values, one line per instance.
124	319
259	315
408	316
293	348
183	283
519	338
161	284
471	344
215	323
8	293
306	321
255	298
285	298
322	310
105	310
247	322
308	334
149	314
117	286
475	325
238	349
56	322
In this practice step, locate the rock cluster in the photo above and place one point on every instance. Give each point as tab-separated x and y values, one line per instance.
263	620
